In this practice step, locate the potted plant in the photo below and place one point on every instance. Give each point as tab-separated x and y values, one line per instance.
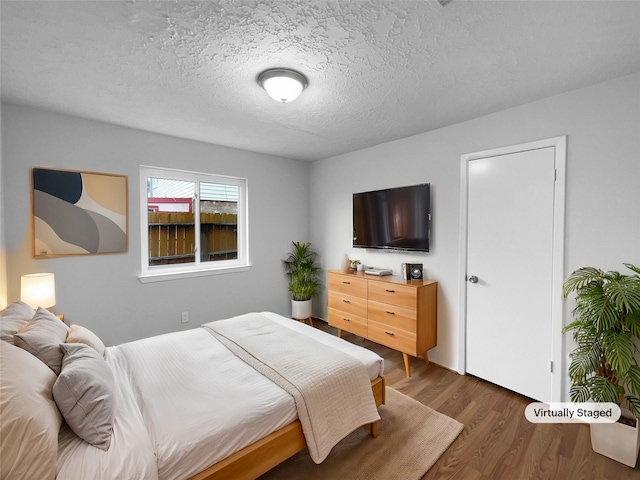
604	364
304	278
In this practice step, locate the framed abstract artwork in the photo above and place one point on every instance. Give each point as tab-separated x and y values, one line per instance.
78	213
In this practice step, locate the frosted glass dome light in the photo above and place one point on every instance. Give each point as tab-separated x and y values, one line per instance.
283	85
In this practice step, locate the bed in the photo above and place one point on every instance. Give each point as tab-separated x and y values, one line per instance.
198	404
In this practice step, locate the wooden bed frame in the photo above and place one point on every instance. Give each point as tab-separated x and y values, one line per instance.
261	456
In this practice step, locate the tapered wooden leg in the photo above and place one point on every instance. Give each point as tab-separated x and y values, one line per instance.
426	357
374	429
339	333
407	365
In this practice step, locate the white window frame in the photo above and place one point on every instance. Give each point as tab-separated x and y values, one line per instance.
157	273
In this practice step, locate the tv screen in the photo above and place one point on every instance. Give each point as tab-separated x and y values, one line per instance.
395	218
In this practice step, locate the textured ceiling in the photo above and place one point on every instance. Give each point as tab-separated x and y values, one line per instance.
377	70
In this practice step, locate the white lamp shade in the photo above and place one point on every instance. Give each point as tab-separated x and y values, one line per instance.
282	85
38	289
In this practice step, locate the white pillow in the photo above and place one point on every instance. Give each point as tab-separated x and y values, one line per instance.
78	334
85	394
29	418
42	337
13	318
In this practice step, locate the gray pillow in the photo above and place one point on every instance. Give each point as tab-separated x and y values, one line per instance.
85	394
13	318
42	337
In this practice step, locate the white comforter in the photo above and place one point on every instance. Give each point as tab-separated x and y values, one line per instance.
196	400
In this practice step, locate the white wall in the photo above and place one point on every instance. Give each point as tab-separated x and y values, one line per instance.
102	292
3	253
602	124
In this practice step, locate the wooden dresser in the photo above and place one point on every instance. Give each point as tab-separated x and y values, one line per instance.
401	314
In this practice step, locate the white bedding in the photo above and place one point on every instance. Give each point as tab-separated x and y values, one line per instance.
130	455
198	401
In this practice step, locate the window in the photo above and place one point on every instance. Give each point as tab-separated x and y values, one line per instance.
191	224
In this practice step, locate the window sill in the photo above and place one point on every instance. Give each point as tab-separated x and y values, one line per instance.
166	276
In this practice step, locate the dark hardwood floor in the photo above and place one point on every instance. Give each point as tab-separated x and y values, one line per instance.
497	442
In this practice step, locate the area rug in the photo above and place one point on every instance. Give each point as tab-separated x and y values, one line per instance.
412	437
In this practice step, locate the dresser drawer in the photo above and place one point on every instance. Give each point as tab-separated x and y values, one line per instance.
393	315
394	294
348	303
395	338
350	323
348	284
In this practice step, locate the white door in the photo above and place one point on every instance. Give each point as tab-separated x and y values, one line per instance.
510	282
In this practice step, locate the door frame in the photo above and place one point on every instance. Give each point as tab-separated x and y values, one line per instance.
560	152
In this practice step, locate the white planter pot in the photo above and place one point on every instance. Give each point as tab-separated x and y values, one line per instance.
617	441
301	310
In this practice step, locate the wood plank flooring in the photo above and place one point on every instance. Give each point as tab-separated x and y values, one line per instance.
497	442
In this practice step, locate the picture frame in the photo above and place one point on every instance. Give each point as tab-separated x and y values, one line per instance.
78	212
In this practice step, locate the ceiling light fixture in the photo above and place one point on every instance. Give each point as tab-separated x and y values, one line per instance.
282	84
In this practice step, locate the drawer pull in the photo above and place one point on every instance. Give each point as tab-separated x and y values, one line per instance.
346	320
389	333
347	283
390	313
390	291
346	301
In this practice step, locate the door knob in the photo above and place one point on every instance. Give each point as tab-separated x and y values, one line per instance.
473	279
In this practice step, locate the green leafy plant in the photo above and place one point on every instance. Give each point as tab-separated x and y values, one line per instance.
303	271
606	329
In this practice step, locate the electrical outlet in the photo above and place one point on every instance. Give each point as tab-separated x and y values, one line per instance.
185	317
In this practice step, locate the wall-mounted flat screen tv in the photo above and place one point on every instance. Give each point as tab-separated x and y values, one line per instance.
395	218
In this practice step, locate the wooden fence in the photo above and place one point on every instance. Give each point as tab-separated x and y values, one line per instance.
172	237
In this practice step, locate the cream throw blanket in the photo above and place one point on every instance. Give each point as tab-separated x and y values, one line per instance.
331	389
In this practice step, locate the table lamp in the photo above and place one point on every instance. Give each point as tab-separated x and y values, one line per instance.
38	290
